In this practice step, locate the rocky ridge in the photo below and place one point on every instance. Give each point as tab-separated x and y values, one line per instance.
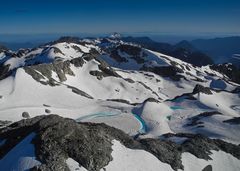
90	144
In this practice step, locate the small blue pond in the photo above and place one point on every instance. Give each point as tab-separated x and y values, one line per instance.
143	128
176	107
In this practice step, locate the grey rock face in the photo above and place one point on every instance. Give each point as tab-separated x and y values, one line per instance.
61	68
90	144
165	151
201	147
58	138
77	62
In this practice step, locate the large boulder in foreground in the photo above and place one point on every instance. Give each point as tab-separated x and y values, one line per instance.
56	139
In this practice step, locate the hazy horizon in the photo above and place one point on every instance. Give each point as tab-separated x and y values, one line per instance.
167	37
40	21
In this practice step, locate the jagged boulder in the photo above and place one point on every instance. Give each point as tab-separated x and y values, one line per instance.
25	115
165	71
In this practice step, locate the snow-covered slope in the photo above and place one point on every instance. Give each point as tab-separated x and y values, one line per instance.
144	93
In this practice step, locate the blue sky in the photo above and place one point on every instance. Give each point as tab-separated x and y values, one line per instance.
104	16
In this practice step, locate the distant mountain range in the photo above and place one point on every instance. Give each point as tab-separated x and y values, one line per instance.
220	49
182	50
18	45
198	52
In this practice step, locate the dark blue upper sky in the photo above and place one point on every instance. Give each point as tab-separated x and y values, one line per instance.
103	16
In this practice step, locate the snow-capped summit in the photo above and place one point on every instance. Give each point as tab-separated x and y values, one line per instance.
115	35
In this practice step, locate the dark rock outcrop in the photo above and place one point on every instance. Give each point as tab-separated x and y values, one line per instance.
120	101
229	70
44	71
57	50
165	71
234	121
104	71
77	62
58	138
201	146
79	92
4	71
134	52
207	168
90	144
166	151
201	89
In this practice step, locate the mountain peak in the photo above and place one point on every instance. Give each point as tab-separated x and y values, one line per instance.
115	35
186	45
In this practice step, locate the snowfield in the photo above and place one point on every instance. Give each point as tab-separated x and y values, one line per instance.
144	93
124	158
